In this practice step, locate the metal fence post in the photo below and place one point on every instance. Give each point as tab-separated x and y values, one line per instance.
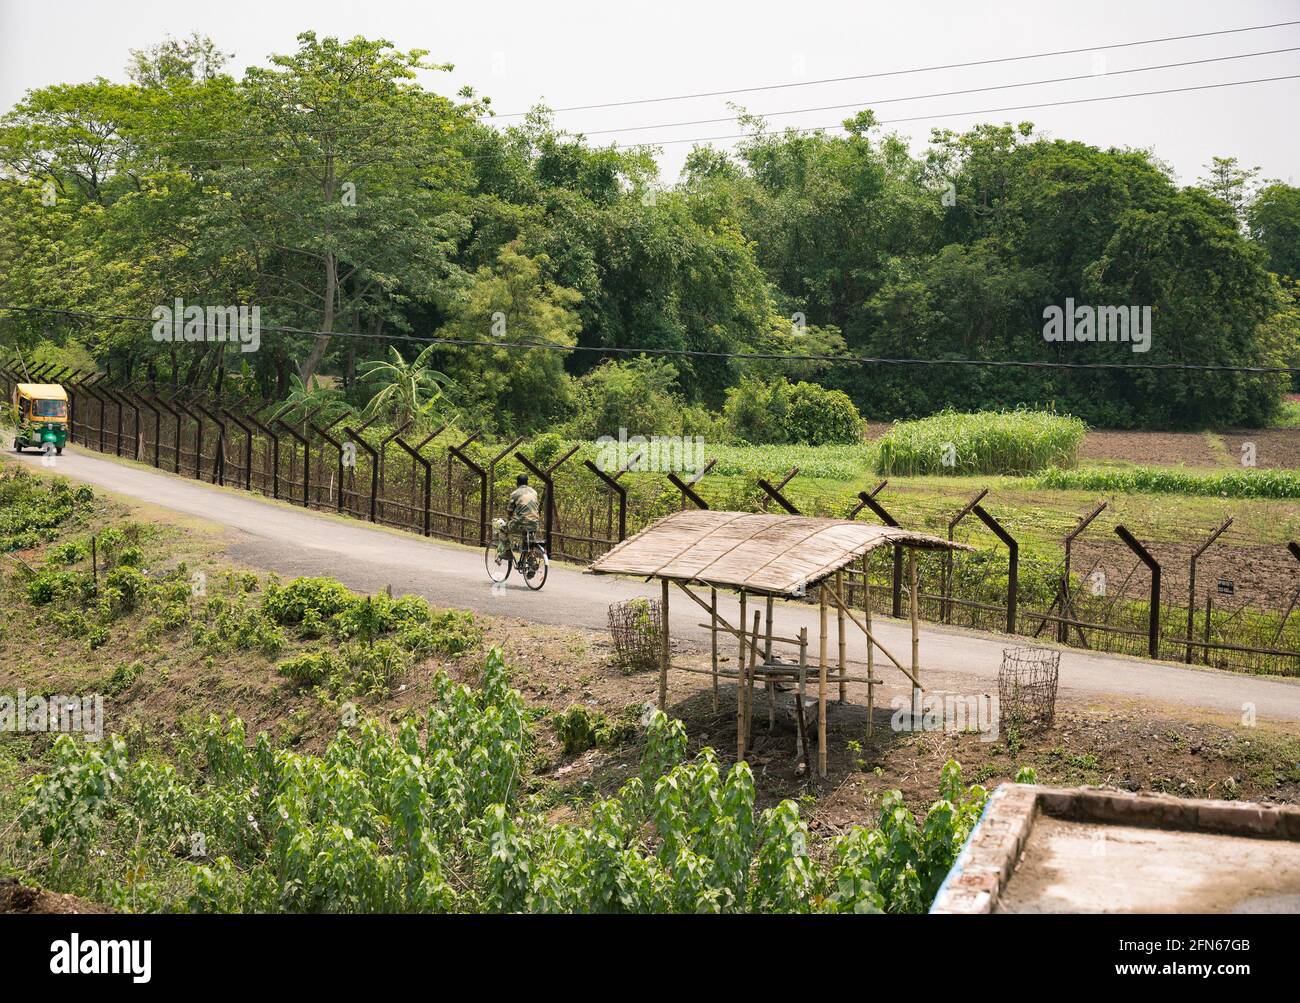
1153	629
1191	586
868	498
1013	563
355	436
481	473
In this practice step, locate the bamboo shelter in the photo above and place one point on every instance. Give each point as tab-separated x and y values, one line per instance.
768	557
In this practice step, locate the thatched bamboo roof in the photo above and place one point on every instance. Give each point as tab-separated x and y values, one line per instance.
775	554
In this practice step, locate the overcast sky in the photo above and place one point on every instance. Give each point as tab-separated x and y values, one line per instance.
579	53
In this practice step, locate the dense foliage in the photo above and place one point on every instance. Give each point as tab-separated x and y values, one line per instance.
777	411
433	817
340	195
32	511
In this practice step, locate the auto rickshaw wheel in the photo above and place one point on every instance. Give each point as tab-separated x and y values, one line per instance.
58	450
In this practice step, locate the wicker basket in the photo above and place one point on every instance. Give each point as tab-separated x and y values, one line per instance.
636	625
1027	686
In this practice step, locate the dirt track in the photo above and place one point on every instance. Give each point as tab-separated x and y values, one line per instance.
292	541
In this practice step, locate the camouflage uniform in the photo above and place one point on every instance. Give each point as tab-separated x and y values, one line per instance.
522	513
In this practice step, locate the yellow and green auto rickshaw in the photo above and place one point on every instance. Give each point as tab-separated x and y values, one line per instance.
42	412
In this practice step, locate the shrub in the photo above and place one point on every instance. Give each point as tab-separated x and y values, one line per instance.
310	668
68	553
779	412
63	588
816	416
125	587
131	557
109	542
580	728
374	822
987	442
358	669
316	599
235	623
122	677
636	395
451	632
32	511
370	669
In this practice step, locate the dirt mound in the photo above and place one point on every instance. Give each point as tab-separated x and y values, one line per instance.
19	898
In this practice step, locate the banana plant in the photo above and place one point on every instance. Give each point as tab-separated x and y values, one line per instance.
412	391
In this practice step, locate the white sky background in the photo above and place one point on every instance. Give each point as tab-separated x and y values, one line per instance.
577	53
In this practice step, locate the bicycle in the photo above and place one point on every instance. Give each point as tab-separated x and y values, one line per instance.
530	559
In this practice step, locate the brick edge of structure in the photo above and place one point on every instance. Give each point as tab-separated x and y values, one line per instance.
996	843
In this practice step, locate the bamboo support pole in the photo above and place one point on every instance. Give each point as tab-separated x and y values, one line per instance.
839	616
821	685
916	633
871	651
740	684
791	673
749	686
800	716
767	681
713	642
871	637
664	641
725	628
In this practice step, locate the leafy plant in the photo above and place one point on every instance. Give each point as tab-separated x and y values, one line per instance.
33	511
409	391
580	728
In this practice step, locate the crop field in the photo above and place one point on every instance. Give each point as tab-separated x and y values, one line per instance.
1015	442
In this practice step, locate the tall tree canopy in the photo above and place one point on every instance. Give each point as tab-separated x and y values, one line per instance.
338	192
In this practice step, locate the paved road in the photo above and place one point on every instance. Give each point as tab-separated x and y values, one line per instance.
290	541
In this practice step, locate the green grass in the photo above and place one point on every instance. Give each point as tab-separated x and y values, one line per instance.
834	463
1158	480
987	442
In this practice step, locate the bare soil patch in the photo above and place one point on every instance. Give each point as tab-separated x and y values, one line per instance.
1275	448
1264	576
1190	449
26	900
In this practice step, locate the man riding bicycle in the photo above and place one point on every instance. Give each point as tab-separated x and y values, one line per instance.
522	514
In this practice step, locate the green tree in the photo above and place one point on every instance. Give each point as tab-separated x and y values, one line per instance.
344	188
1230	183
513	379
1274	223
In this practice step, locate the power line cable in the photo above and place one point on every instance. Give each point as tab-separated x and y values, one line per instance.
980	111
866	76
856	360
918	69
943	94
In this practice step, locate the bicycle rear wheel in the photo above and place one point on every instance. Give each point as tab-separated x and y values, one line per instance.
534	571
498	568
